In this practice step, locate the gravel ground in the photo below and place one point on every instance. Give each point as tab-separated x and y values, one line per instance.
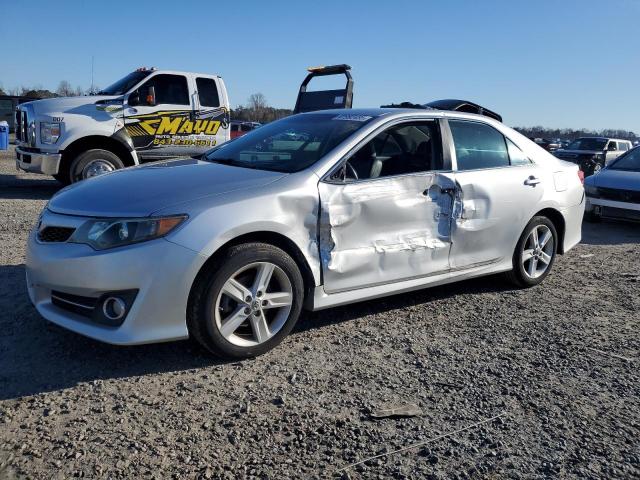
559	361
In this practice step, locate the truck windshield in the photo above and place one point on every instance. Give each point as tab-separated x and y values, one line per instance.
629	162
291	144
123	85
588	144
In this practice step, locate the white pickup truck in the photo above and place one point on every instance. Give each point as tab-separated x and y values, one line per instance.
148	115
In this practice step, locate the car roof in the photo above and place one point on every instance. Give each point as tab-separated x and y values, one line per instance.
403	112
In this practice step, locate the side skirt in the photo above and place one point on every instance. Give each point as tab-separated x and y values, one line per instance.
322	300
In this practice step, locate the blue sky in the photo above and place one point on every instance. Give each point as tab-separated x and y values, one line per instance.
571	63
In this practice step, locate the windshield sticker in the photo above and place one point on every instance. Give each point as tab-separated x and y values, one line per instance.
352	117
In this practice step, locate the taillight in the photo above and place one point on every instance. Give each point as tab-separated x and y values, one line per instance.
581	176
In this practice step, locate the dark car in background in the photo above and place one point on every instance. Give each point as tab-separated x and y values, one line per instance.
615	191
239	128
548	145
593	153
8	104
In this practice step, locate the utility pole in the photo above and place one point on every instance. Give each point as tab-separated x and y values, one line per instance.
92	74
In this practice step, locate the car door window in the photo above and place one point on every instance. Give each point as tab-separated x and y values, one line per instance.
623	146
612	147
478	145
169	89
401	149
516	156
208	92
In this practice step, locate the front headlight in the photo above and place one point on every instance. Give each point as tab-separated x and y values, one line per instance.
111	232
49	132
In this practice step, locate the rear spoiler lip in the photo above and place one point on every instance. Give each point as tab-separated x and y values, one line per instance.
450	105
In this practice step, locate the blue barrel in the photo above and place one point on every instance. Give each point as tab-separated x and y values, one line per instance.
4	135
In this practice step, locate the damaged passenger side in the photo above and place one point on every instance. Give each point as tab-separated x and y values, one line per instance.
386	211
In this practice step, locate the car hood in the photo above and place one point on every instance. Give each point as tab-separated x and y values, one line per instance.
619	179
140	191
84	104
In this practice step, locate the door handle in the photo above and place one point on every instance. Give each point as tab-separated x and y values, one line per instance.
532	181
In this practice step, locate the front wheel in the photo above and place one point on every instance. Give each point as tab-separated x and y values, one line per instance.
535	253
245	306
93	163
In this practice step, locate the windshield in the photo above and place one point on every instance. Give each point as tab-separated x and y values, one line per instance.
123	85
588	144
630	161
291	144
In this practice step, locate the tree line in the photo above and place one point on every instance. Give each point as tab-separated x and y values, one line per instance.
572	134
37	92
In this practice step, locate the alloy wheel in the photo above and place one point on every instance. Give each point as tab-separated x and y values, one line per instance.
538	251
253	304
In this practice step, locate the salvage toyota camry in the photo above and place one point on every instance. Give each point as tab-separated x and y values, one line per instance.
312	211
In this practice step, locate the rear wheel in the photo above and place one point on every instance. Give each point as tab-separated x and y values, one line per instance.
247	305
535	253
93	163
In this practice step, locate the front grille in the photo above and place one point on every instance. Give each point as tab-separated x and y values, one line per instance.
621	213
25	127
77	304
629	196
55	234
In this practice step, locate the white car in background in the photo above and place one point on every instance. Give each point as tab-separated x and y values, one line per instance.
316	210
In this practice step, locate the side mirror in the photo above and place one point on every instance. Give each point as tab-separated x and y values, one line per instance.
151	96
134	99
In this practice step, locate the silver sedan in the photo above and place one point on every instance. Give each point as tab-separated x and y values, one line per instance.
312	211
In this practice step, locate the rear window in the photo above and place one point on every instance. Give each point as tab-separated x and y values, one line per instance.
478	146
588	144
208	92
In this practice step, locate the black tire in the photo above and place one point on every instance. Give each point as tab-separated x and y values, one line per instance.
200	321
517	275
78	165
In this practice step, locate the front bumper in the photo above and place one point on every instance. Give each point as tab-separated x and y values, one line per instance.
613	208
38	162
160	270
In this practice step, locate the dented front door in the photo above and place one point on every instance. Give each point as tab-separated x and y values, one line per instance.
385	230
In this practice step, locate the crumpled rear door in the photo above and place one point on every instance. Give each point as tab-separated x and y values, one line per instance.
385	230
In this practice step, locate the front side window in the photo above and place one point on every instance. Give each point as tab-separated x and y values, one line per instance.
208	92
478	145
612	147
401	149
291	144
169	89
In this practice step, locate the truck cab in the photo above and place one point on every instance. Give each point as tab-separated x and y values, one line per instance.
147	115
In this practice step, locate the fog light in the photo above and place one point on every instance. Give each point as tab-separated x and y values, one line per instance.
114	308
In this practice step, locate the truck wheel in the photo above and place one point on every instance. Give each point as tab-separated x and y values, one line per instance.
93	163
